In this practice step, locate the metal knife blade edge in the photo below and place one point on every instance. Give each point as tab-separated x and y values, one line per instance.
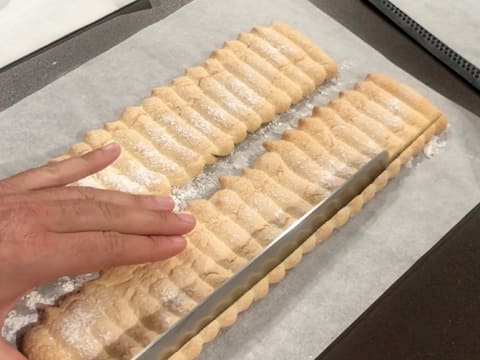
257	268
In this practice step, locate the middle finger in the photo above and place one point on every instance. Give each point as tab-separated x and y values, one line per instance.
88	215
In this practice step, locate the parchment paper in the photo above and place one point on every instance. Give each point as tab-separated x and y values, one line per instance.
456	23
335	283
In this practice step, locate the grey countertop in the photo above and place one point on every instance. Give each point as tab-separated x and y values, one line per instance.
31	74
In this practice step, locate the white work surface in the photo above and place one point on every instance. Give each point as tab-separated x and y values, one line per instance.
28	25
456	23
335	283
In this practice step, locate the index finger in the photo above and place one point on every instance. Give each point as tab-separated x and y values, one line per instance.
62	172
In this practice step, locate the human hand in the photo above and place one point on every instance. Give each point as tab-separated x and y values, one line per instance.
48	229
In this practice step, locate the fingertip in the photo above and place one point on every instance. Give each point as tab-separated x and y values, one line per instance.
104	156
178	243
109	151
187	219
110	147
163	203
170	246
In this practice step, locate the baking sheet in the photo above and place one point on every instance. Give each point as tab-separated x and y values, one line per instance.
454	22
345	274
56	18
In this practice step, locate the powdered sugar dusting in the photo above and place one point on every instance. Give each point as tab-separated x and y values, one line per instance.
216	112
433	147
244	93
161	138
73	328
191	134
289	51
116	181
142	175
26	310
230	102
154	158
269	52
393	105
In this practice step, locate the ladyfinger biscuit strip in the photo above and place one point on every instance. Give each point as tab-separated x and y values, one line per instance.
203	114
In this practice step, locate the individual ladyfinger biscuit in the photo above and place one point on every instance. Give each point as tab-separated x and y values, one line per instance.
120	303
341	149
310	48
172	109
145	152
178	271
301	163
39	342
109	326
190	282
392	104
268	52
290	202
230	203
209	243
224	228
264	205
207	268
293	52
70	328
340	128
197	107
376	131
274	75
406	94
184	133
273	165
249	96
380	114
253	79
318	153
210	110
191	161
219	93
150	310
173	299
127	173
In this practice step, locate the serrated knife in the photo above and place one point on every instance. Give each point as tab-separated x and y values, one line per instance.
257	268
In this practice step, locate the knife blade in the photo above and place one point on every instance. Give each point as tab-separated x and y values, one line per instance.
257	268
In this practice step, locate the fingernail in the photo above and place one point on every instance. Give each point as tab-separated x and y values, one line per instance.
164	202
109	146
178	242
187	219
